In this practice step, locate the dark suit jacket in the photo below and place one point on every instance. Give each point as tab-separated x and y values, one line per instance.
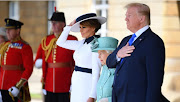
139	77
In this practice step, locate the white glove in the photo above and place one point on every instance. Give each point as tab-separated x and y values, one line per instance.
0	97
44	91
103	100
38	63
14	91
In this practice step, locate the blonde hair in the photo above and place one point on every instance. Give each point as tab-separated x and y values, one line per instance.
143	9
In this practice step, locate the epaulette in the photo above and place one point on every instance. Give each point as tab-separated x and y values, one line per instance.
47	48
24	42
2	44
44	38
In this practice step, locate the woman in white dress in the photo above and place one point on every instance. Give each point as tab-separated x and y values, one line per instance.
87	64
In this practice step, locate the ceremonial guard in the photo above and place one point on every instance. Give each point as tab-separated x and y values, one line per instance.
57	62
16	65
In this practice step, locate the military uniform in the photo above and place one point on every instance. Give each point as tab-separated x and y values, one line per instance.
57	67
16	66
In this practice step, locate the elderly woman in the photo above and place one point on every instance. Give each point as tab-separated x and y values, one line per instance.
105	46
87	64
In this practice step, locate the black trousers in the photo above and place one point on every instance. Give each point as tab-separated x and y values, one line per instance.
57	97
6	97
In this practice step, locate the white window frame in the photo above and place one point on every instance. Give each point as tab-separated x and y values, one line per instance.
51	5
103	7
14	10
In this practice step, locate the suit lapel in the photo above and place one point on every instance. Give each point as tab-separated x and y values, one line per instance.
125	41
141	37
135	43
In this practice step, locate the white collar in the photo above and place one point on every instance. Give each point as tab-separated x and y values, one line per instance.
140	31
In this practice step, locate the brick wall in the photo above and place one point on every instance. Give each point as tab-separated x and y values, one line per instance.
171	36
4	12
34	16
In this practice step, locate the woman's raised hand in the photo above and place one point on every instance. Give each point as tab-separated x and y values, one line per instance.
72	23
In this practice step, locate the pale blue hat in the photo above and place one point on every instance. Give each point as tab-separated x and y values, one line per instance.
104	43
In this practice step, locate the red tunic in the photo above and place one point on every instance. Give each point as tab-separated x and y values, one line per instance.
18	53
57	80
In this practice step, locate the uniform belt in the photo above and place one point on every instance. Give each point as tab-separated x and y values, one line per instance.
13	67
59	65
86	70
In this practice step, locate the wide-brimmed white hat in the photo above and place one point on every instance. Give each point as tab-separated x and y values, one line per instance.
75	27
2	31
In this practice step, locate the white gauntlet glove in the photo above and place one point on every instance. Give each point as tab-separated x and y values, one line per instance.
14	91
0	97
44	91
38	63
43	87
103	100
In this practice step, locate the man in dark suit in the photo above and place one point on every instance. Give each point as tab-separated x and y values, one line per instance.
139	60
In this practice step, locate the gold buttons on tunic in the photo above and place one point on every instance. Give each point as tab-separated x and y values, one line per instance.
54	54
5	55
